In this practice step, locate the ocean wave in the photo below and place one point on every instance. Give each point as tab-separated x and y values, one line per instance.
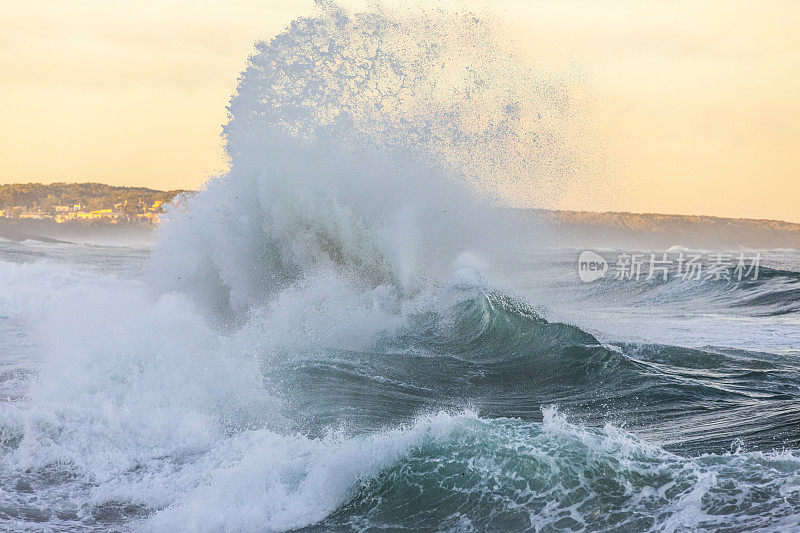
513	475
315	343
143	415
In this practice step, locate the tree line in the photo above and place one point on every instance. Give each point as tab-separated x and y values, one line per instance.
90	196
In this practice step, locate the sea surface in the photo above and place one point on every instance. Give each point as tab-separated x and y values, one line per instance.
547	404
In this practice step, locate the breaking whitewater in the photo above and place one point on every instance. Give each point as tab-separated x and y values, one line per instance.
343	332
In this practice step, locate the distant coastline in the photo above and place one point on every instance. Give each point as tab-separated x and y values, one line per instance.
79	203
87	213
659	231
94	212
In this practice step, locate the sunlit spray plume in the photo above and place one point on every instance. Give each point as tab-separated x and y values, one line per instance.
367	144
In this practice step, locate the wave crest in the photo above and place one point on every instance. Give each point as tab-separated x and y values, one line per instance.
367	144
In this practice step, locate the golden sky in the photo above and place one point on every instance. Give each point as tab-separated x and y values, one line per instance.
696	103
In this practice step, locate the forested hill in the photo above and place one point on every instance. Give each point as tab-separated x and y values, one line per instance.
90	196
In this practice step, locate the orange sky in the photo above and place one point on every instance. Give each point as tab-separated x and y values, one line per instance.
694	104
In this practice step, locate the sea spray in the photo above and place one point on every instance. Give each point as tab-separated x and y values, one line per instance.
368	143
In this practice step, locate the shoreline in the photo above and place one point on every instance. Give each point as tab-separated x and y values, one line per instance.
97	233
554	228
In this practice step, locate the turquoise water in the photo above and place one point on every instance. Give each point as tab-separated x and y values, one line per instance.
470	411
